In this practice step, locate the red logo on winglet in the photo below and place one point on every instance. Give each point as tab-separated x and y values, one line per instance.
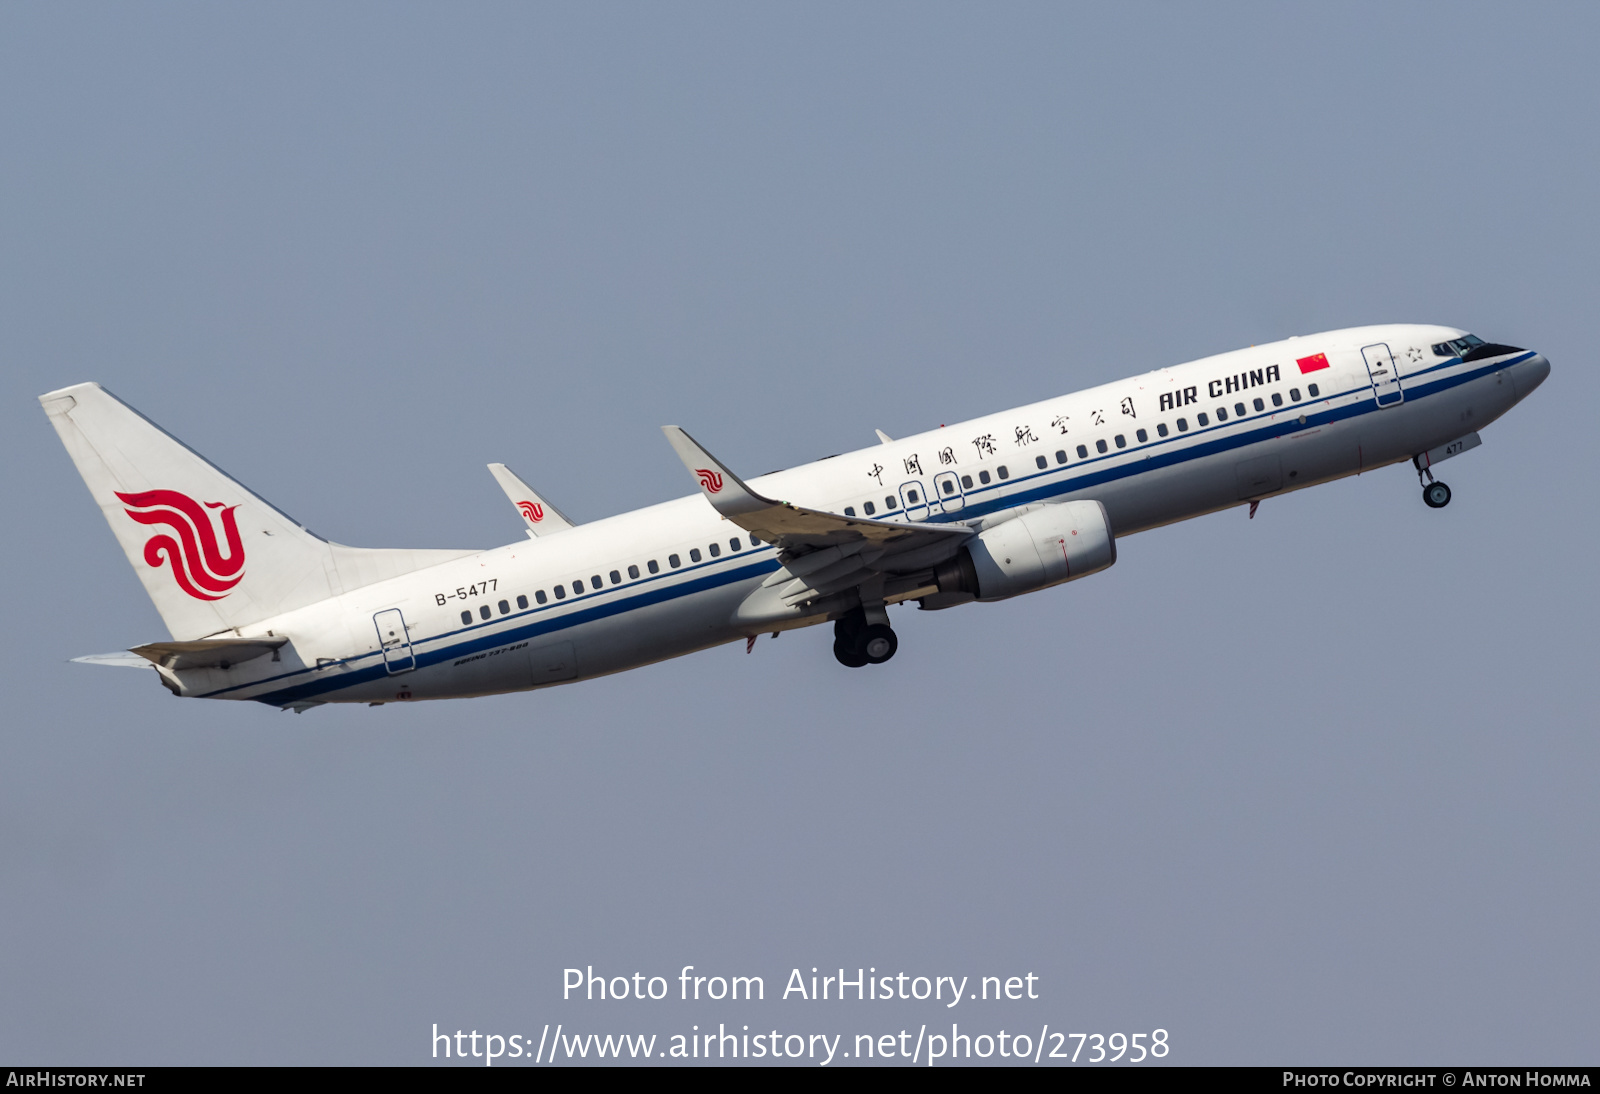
709	479
198	564
532	510
1313	363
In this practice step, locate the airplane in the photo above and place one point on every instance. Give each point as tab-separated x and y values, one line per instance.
260	608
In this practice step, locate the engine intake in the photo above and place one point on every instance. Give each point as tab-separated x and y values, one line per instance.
1033	550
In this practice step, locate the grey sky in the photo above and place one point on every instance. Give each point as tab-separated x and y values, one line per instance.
1317	787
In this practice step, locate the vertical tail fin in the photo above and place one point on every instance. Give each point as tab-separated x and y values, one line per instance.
212	555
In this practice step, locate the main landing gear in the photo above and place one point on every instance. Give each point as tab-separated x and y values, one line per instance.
1435	495
857	643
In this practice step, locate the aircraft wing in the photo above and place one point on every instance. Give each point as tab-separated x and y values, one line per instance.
823	553
539	516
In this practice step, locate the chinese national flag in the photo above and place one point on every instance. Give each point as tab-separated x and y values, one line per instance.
1312	363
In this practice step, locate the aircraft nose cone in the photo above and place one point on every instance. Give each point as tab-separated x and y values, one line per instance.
1529	374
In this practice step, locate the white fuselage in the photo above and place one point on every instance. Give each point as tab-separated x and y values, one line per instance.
668	579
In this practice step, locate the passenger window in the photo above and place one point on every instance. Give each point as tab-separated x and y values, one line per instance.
595	583
1061	455
540	597
1183	425
734	545
849	510
653	566
616	578
1161	429
949	487
716	548
1003	471
694	554
522	602
1312	388
754	542
1040	462
1202	419
1238	408
466	618
633	573
1222	413
561	592
1100	445
577	586
505	608
674	561
1294	395
1277	400
890	503
1083	453
483	611
983	477
966	482
869	508
1122	442
1142	436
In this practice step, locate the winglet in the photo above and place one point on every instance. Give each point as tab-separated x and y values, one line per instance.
726	492
539	516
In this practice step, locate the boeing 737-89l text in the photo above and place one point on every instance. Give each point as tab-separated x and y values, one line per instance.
1010	503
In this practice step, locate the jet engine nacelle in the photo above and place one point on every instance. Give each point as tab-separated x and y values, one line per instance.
1035	549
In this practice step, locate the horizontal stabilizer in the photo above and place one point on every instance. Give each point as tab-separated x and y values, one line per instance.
122	659
539	517
207	653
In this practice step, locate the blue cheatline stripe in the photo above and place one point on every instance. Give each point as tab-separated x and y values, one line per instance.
1176	455
662	593
486	639
656	579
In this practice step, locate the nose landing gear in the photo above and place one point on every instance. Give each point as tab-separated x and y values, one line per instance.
1435	495
857	643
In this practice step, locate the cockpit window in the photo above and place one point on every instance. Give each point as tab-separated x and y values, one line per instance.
1458	347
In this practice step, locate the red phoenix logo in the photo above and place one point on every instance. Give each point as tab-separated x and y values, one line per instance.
198	564
709	479
532	510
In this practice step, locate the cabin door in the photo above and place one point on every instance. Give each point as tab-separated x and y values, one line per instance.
395	641
1385	375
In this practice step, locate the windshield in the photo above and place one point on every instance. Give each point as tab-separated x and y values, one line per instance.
1457	347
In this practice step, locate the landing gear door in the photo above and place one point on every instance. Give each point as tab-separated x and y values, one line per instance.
394	641
949	493
1384	373
914	500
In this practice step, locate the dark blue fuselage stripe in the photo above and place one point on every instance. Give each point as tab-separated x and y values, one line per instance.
496	639
655	579
1077	482
1175	456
